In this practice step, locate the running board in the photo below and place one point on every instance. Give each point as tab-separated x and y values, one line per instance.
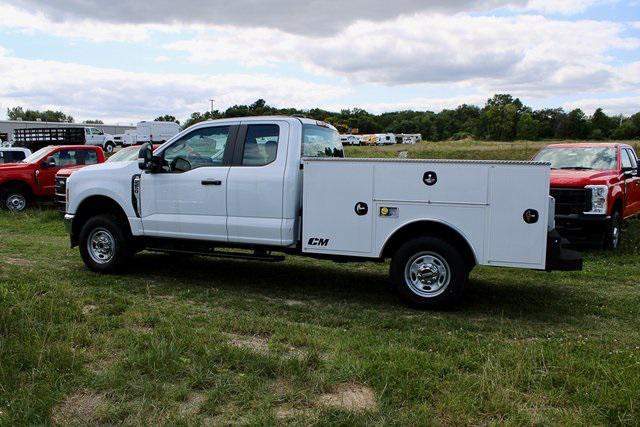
256	256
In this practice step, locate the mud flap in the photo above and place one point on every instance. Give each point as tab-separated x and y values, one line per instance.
559	258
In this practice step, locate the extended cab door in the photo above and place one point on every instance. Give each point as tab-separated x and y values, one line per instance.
632	181
256	179
188	198
62	158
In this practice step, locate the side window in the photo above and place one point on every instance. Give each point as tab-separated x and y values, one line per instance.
201	148
2	157
86	157
626	160
96	131
632	157
87	131
65	158
260	145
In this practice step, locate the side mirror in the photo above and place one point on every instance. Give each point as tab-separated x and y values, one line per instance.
145	157
50	162
630	172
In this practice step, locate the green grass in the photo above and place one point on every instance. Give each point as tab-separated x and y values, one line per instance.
206	341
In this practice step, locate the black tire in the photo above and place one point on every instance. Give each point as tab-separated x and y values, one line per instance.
109	147
432	253
107	236
15	199
613	233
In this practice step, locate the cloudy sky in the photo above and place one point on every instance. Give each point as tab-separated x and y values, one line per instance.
123	61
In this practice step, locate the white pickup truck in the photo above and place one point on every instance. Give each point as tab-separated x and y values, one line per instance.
281	185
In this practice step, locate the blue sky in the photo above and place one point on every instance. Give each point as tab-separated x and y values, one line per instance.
123	63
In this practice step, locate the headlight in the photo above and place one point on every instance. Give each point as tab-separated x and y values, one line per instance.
599	195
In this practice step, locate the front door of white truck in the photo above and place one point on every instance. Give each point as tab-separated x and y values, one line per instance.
188	198
255	212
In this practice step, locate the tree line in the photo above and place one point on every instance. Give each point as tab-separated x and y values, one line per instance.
502	118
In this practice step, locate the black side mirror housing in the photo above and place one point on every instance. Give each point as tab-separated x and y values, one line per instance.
630	172
145	157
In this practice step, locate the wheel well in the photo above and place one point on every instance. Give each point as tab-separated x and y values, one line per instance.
16	184
96	205
430	228
617	206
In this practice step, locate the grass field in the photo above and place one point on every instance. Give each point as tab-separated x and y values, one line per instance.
203	341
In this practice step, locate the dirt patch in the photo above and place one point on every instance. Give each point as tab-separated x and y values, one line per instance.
20	262
252	342
286	412
80	407
293	302
191	406
88	309
350	397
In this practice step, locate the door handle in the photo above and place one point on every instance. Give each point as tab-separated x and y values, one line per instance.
211	182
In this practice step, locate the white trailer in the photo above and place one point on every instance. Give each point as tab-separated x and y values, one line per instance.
281	185
154	132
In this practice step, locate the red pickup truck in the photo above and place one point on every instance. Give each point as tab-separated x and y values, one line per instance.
596	187
34	177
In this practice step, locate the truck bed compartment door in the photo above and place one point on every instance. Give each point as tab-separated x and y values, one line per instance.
337	208
517	221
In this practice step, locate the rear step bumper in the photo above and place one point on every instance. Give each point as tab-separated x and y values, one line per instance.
559	258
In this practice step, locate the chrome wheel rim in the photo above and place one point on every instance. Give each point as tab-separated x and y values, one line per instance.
101	246
615	236
427	274
16	202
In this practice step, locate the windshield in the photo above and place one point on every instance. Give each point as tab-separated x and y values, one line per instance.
37	155
125	154
318	141
579	158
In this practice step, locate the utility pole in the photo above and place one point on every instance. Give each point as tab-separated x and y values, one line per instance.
212	101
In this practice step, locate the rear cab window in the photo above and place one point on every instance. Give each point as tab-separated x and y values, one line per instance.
321	141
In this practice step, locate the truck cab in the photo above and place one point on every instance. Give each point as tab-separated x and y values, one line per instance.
34	177
596	186
281	185
95	136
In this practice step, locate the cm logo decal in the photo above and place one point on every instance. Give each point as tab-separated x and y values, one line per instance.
315	241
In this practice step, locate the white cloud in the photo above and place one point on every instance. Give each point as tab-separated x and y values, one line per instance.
564	7
104	93
318	17
623	105
524	54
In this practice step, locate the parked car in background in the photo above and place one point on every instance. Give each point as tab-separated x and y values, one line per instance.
34	177
596	186
37	138
125	154
238	183
148	132
13	154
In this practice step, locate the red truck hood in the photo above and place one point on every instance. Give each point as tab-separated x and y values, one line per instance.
580	178
69	170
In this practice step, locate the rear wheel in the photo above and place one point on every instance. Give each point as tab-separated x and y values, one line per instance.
613	233
429	273
104	244
15	199
109	147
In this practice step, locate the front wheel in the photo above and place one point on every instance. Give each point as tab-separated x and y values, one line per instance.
104	244
109	147
614	232
429	273
15	200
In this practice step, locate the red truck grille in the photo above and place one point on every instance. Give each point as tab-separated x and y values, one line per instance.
572	200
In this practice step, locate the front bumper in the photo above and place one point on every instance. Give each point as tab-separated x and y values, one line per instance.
560	258
580	228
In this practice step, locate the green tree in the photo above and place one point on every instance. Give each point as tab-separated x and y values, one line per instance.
166	118
93	122
527	127
18	113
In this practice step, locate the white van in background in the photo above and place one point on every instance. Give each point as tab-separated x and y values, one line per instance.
153	132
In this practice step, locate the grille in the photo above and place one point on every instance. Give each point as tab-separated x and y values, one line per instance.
572	200
61	193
